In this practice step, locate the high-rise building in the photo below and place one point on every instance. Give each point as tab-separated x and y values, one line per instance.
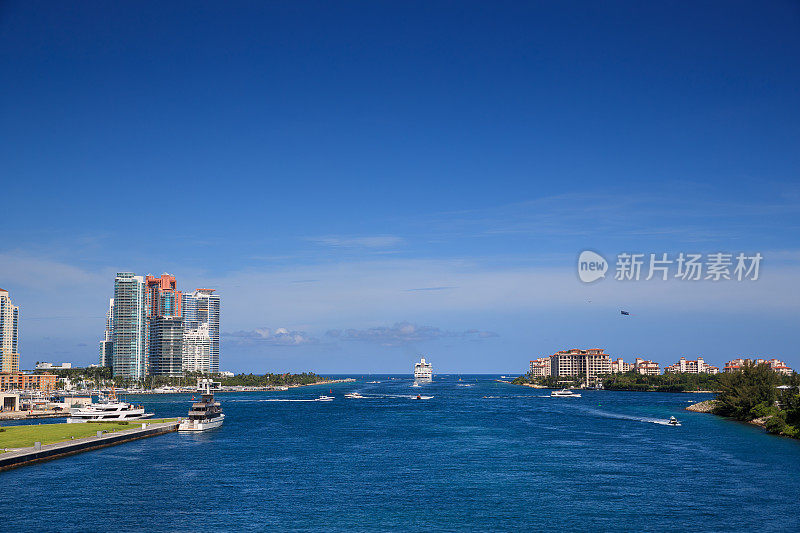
129	329
165	326
202	308
9	334
197	349
107	344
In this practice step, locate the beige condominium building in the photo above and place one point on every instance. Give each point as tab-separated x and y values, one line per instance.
692	367
540	367
591	363
9	333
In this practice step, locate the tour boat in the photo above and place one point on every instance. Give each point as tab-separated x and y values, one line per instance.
423	371
107	410
564	393
205	414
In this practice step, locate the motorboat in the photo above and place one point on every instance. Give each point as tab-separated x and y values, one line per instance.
353	395
205	414
324	398
415	384
564	393
673	421
107	410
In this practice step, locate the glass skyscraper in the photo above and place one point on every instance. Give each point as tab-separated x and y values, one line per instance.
107	344
129	334
165	322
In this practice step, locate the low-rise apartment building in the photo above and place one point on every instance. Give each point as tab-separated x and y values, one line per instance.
645	367
619	366
684	366
20	381
540	367
776	365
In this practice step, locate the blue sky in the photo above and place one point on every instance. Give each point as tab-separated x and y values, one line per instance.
367	181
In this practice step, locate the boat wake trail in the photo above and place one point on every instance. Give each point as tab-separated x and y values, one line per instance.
605	414
409	396
289	400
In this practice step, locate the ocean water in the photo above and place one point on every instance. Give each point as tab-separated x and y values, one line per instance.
483	457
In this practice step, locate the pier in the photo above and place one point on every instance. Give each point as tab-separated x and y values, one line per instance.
39	453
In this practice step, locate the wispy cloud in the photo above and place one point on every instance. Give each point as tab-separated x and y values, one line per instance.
272	337
431	288
375	241
405	333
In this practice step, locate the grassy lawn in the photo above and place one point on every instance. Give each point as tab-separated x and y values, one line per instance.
24	436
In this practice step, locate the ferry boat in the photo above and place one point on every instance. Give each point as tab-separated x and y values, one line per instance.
423	371
564	393
205	414
108	409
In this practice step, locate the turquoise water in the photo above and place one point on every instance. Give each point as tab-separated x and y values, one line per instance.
515	459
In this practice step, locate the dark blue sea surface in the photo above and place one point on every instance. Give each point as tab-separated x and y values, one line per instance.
477	456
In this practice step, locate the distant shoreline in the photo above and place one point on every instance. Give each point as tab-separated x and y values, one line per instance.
536	386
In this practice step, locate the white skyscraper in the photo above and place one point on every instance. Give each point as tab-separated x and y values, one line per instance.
197	349
202	308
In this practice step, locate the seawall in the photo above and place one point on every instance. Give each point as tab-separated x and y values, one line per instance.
31	455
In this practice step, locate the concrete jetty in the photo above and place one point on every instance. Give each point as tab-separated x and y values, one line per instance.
36	454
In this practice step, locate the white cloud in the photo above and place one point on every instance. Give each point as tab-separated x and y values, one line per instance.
404	333
274	337
377	241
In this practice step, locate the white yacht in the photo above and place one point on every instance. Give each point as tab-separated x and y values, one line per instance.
423	371
107	410
564	393
205	414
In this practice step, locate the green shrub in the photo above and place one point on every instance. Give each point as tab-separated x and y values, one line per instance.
777	423
763	409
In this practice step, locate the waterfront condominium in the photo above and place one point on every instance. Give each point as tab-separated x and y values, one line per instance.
129	329
201	310
9	334
575	362
165	326
691	367
107	344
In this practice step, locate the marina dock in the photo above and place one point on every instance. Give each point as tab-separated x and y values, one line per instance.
36	454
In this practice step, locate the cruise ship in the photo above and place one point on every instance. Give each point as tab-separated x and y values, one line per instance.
107	410
205	414
423	371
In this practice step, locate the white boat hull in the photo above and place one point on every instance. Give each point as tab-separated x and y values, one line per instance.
200	425
79	420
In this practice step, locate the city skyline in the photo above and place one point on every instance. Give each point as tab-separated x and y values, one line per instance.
426	186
